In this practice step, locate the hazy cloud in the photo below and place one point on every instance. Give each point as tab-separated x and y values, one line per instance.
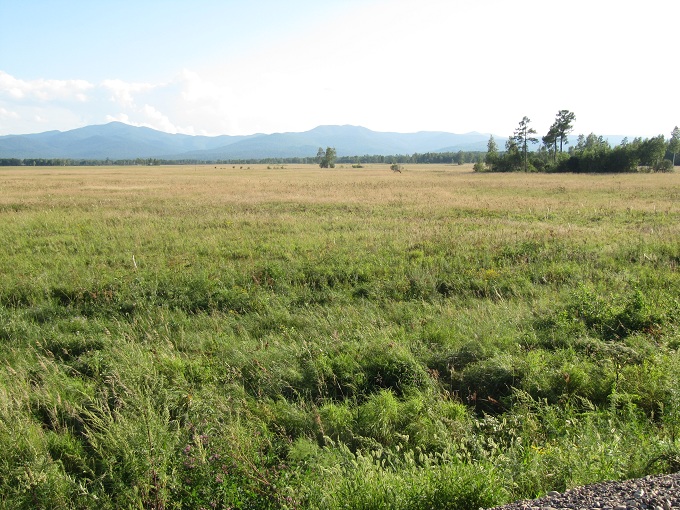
6	114
159	120
121	117
123	92
44	90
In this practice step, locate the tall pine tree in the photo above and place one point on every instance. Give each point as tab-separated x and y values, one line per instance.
563	126
523	137
491	152
550	141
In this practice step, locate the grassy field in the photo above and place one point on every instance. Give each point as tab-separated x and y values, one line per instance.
291	337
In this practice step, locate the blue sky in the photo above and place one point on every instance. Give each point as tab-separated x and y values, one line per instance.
241	67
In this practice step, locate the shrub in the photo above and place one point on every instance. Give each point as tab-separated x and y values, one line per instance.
665	166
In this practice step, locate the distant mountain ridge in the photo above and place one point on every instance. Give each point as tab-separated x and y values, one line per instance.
116	140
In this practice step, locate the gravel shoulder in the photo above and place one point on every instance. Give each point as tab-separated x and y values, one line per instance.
648	493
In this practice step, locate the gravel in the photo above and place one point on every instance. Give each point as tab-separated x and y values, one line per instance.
648	493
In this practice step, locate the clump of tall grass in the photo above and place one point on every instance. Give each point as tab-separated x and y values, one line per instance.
338	478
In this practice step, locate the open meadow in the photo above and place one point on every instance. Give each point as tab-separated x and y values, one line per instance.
290	337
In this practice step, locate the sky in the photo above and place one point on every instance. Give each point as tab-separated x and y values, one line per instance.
213	67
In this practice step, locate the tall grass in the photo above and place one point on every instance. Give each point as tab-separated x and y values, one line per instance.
352	338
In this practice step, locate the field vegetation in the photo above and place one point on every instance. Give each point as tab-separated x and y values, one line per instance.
223	337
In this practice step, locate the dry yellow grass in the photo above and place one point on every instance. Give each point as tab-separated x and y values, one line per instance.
420	186
371	206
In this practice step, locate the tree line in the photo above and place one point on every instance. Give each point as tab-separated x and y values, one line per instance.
454	158
82	162
590	154
444	158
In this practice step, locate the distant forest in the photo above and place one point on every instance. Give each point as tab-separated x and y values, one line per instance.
455	158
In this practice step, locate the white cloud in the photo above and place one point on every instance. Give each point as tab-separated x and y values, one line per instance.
207	100
174	106
45	102
121	117
196	89
149	116
6	114
123	92
44	90
157	120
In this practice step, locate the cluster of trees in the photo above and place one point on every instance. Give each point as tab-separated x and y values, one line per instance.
455	158
326	158
591	153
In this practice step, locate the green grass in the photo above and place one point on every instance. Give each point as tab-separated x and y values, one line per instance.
351	338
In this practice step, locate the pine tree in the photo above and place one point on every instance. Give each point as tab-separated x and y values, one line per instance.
491	152
523	137
550	140
563	126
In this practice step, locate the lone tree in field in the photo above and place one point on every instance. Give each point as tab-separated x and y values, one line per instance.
327	158
674	142
523	137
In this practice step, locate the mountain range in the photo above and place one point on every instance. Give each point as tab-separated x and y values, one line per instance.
116	140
